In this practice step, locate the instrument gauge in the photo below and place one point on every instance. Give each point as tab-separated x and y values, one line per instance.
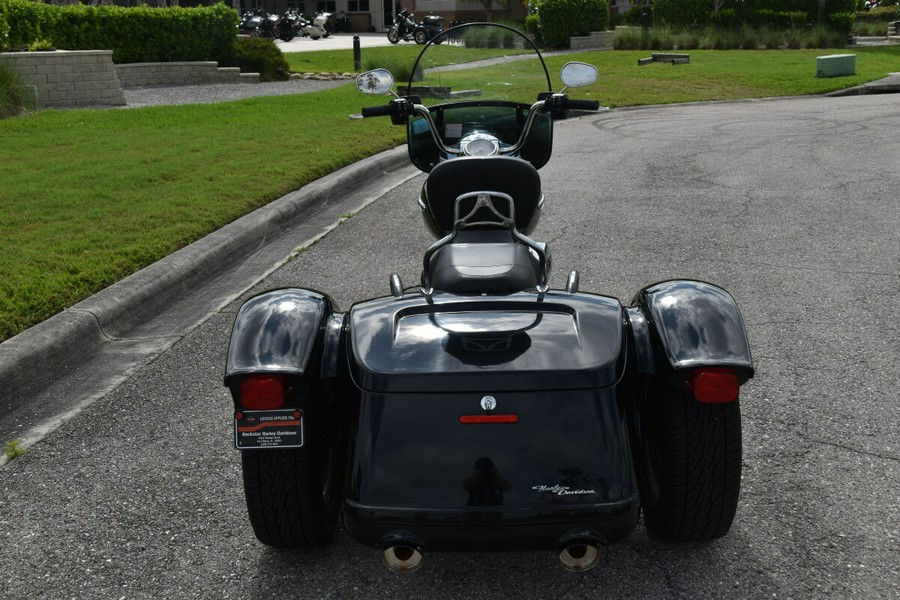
479	144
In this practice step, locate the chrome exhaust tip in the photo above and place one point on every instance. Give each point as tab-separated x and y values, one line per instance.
580	550
402	559
401	552
578	558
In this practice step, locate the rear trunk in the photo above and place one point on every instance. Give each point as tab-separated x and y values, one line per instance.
489	423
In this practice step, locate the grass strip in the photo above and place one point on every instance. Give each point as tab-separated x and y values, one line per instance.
91	196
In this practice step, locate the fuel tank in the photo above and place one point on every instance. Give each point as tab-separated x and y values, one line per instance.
489	422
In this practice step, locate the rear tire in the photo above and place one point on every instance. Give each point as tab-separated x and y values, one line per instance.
421	37
294	495
690	476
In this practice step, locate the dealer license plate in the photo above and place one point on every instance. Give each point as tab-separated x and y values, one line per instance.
268	429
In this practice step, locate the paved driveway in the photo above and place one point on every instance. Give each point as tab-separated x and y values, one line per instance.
139	496
335	41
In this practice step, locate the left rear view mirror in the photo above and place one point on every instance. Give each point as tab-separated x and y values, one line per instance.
377	82
578	74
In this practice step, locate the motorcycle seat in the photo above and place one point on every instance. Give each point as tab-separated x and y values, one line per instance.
514	177
484	263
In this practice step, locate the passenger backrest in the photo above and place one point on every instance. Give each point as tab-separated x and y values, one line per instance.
512	176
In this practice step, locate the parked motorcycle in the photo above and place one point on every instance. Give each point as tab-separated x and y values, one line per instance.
268	27
481	409
290	26
313	29
250	22
405	28
320	22
259	23
431	25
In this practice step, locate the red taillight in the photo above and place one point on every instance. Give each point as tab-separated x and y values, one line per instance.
474	419
263	392
714	385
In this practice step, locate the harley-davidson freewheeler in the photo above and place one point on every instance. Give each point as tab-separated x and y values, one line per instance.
481	409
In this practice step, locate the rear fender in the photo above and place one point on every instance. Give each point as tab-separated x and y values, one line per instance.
292	332
690	324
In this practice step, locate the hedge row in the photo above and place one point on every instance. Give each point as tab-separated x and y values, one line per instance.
137	34
839	14
558	20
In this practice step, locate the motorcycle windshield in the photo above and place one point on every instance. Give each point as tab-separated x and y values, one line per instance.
479	79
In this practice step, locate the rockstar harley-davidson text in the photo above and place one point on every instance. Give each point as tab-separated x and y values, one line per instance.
481	409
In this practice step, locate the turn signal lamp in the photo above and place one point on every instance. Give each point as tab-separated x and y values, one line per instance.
714	385
263	392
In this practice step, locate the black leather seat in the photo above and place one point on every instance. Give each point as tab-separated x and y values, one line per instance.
487	262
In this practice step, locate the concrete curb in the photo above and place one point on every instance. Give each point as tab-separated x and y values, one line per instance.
887	85
43	353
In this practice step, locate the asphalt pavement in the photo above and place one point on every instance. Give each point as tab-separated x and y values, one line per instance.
133	490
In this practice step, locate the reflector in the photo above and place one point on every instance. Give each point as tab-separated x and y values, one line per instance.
714	385
263	392
473	419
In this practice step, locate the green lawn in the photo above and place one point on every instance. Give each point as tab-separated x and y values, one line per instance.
90	196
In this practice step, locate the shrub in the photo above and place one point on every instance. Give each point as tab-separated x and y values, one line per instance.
561	19
532	25
627	39
778	19
823	37
688	41
871	29
23	19
40	46
681	14
842	22
4	31
257	55
661	38
399	68
747	39
633	16
476	37
136	34
882	14
772	39
14	98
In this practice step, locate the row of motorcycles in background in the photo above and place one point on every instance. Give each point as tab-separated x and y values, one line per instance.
405	28
291	24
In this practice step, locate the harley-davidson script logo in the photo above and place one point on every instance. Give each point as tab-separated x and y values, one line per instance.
562	490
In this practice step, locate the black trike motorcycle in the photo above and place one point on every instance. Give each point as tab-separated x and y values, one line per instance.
481	409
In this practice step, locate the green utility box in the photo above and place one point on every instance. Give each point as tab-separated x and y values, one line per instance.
835	65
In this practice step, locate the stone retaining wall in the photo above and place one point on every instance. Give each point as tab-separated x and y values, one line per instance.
180	73
597	40
68	78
